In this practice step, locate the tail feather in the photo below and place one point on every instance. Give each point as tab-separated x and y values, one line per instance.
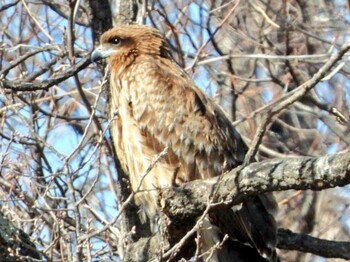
252	227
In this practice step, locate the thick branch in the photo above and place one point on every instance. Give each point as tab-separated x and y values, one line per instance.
300	173
147	248
304	243
127	12
101	16
14	243
187	202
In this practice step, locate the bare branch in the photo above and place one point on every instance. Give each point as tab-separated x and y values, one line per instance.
298	173
19	85
301	242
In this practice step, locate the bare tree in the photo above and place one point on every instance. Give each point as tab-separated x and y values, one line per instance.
279	69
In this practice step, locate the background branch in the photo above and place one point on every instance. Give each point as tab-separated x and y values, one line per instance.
302	242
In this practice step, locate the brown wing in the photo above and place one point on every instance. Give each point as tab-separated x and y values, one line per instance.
178	115
160	107
174	113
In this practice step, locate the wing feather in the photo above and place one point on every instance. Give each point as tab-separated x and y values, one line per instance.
160	108
178	115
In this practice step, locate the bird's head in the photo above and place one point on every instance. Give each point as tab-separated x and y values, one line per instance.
124	43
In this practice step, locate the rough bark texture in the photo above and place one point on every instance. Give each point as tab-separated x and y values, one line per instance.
184	204
125	11
15	245
191	199
101	17
304	243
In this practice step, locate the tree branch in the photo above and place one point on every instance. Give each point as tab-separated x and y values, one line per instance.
300	173
142	249
188	201
19	85
15	244
305	243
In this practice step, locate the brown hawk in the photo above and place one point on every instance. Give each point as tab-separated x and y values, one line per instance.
160	107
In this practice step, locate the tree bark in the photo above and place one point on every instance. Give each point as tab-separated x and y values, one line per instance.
15	245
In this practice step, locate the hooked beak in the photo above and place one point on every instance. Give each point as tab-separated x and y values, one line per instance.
102	52
97	54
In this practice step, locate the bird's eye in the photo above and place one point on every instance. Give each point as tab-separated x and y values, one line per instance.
115	41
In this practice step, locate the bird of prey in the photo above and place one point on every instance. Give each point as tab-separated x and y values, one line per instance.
160	109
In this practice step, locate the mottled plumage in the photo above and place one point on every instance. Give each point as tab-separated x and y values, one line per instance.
160	107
